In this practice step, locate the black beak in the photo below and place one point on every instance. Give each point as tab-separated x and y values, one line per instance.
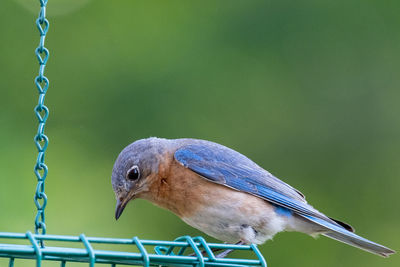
119	208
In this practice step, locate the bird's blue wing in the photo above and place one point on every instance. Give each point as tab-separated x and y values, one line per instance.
225	166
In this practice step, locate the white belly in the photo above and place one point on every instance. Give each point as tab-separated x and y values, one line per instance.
235	216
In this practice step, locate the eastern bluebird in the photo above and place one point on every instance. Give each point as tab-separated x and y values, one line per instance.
221	192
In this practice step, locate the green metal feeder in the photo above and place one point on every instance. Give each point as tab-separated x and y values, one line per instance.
183	251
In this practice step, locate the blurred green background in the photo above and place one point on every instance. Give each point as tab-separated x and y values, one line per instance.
307	89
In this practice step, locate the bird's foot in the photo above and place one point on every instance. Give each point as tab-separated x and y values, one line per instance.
204	253
228	251
223	254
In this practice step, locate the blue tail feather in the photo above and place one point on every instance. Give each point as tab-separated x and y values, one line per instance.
339	233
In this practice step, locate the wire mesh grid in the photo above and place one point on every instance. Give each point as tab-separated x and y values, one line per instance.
184	251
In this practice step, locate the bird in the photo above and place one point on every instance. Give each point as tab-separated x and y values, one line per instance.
222	193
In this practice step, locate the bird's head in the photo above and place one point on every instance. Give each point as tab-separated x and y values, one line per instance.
136	166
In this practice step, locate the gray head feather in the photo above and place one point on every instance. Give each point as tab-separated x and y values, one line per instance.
144	153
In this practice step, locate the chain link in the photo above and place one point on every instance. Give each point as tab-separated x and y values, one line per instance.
42	113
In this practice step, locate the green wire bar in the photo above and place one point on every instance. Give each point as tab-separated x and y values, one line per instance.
184	251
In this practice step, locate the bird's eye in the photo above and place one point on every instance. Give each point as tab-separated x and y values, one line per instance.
133	174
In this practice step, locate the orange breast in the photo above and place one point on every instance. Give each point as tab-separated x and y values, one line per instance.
179	189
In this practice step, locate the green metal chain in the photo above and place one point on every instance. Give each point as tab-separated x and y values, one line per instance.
42	113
